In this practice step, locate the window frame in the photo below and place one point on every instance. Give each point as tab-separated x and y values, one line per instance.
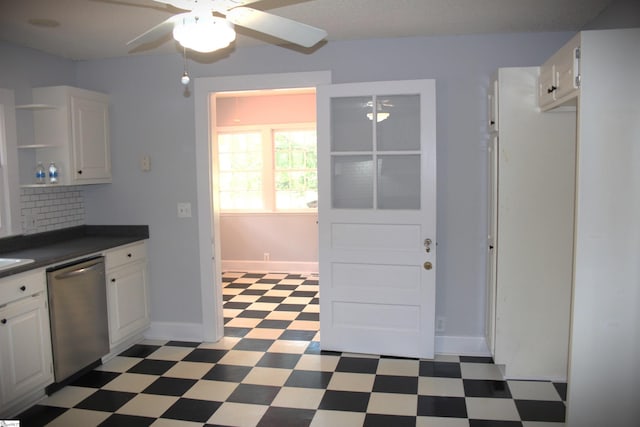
267	132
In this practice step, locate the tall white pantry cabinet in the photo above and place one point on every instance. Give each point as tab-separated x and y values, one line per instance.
532	157
593	85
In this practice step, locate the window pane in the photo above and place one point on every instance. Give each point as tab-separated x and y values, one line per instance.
399	181
352	182
401	129
351	128
240	170
283	160
295	175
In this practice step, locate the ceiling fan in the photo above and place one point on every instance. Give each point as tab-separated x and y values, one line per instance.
201	30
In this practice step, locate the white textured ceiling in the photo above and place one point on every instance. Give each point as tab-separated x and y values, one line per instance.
91	29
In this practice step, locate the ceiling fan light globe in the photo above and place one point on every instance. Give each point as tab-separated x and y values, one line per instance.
204	34
379	116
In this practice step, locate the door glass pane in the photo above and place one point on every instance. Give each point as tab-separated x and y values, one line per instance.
400	129
351	130
399	181
352	182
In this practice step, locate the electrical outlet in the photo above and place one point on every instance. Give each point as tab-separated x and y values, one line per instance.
440	323
267	256
29	222
184	210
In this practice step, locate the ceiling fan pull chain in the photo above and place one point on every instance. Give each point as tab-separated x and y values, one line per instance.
185	79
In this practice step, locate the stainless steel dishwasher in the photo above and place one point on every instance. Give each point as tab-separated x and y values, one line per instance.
78	314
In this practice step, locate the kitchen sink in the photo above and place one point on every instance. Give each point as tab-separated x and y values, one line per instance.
6	263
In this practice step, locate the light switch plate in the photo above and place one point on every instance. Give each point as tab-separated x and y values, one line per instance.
184	210
145	163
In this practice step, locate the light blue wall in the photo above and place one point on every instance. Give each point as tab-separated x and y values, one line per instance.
150	115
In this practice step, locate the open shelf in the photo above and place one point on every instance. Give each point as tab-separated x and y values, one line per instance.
32	146
34	107
40	185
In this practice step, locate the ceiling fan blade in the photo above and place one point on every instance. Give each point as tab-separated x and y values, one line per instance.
217	5
277	26
129	3
156	32
179	4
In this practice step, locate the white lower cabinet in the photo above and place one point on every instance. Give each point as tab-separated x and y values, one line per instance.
127	292
25	340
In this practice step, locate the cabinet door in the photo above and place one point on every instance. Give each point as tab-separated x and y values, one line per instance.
25	348
492	229
546	84
567	71
91	147
493	105
558	82
128	303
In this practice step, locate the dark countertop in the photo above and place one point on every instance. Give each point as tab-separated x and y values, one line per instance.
54	247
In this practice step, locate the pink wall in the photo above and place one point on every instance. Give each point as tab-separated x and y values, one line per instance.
266	109
286	237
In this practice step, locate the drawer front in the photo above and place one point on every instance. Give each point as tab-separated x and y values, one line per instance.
125	254
21	285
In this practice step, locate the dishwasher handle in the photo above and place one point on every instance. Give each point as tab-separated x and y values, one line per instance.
77	272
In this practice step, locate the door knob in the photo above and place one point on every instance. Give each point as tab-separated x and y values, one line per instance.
428	265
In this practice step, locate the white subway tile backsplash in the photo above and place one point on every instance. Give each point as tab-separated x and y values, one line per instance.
51	208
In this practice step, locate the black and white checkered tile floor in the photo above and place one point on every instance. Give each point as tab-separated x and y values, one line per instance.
269	371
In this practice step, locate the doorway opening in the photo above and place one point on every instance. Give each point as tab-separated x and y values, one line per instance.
209	219
265	183
265	180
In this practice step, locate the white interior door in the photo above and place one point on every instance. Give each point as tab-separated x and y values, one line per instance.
377	210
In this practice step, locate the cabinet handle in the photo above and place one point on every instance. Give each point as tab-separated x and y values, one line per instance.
551	89
492	122
129	255
3	321
113	280
23	288
491	247
79	172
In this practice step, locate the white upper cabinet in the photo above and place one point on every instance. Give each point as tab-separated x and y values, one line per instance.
559	80
72	130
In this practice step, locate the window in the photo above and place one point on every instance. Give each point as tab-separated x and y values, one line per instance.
264	168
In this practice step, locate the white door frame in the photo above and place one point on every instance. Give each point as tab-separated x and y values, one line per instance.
208	228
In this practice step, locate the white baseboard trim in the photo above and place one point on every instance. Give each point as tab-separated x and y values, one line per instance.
122	346
174	331
295	267
465	346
